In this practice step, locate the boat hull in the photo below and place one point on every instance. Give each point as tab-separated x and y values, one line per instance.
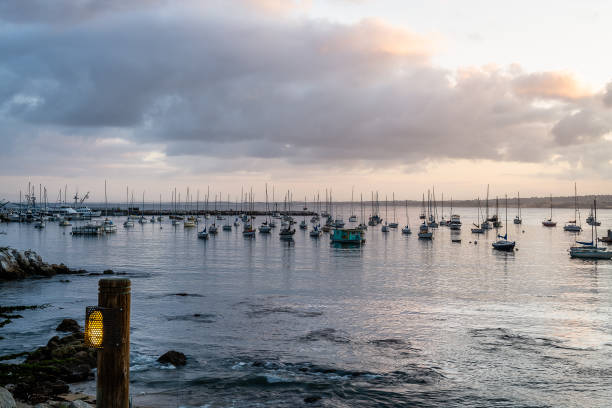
504	245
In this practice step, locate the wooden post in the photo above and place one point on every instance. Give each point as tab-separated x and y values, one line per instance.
113	385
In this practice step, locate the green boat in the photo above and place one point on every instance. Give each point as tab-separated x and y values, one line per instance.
347	236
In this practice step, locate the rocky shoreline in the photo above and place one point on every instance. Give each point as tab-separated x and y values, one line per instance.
16	265
47	371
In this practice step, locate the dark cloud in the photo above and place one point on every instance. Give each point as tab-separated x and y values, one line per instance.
582	127
192	80
607	98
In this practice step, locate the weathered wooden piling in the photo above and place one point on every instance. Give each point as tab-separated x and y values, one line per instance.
113	385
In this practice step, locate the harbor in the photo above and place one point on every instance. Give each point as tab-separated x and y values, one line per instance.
301	313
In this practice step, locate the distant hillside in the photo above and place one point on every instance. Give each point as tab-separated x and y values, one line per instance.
603	201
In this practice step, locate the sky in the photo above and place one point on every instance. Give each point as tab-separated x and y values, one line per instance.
387	95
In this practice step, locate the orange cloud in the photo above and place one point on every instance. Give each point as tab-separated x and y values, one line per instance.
550	85
277	6
373	36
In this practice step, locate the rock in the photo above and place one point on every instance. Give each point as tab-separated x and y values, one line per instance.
69	325
175	358
108	272
48	370
311	399
6	399
19	265
79	404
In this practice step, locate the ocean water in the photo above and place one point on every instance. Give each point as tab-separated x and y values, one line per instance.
397	322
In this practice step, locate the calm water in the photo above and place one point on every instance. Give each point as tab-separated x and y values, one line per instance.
397	322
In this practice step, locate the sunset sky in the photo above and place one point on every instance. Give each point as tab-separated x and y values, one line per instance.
388	95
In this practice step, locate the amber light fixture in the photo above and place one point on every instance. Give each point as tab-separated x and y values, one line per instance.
100	331
94	327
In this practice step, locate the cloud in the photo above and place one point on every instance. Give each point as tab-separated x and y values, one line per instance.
550	85
582	127
607	97
181	85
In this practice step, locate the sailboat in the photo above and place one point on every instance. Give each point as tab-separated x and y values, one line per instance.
479	229
549	222
108	225
204	233
394	223
455	219
592	218
518	219
422	214
265	227
590	250
374	218
248	230
128	222
227	226
353	217
572	226
142	219
496	222
303	224
424	232
433	210
502	244
486	225
406	229
286	232
443	222
385	228
160	218
362	225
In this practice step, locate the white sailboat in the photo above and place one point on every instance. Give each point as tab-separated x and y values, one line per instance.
227	226
394	223
353	217
486	225
303	224
590	250
518	219
362	225
265	227
573	225
502	244
549	222
478	227
385	227
455	220
443	222
128	222
406	229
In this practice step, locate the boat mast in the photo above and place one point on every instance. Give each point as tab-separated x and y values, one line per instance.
105	201
594	225
551	206
352	194
487	204
506	217
575	203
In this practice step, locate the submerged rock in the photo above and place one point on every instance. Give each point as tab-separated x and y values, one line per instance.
20	265
69	325
6	399
175	358
312	399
